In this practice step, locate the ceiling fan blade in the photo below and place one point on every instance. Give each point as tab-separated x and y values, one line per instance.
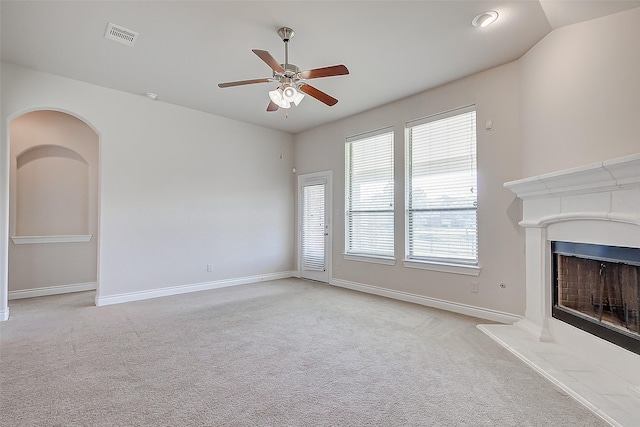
269	60
318	94
335	70
272	106
243	82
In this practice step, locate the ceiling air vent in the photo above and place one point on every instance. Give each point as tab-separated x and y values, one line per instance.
121	34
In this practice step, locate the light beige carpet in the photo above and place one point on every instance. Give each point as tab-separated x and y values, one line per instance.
282	353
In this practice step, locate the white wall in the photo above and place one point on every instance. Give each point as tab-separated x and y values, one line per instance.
54	191
179	189
501	244
580	95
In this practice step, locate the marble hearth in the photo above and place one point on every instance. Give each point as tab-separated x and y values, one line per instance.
595	204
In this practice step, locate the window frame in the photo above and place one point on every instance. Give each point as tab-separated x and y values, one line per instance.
372	257
438	263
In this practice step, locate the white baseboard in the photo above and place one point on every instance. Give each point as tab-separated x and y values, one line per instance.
52	290
183	289
469	310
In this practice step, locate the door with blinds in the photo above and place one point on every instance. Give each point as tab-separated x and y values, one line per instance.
314	226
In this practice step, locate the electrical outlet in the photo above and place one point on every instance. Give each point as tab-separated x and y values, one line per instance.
209	268
475	287
338	266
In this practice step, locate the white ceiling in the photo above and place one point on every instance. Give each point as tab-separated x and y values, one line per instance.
393	49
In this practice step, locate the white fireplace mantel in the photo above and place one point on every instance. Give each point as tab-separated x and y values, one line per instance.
600	191
613	174
600	204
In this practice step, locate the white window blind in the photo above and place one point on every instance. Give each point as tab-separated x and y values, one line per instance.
441	188
313	227
369	194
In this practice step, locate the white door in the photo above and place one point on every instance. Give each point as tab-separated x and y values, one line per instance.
314	226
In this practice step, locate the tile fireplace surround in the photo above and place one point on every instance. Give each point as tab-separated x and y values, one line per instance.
599	204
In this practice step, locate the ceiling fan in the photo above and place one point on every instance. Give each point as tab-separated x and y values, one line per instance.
292	82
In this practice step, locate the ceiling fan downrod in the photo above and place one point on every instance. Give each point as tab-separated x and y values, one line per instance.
286	34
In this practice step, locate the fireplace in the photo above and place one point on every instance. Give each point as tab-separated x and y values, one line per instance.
576	221
596	289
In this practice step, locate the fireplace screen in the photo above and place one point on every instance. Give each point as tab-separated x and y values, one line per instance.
597	290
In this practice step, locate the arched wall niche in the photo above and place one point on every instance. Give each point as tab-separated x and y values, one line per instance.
52	192
53	204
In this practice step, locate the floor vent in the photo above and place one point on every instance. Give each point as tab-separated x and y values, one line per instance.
121	34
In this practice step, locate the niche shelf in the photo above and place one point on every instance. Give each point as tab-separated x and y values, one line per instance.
75	238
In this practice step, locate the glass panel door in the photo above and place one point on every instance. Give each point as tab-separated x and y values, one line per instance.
313	228
314	222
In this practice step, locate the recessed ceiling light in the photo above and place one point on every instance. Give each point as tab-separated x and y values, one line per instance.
485	18
151	95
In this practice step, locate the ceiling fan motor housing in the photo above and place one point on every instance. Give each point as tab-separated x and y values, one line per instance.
290	70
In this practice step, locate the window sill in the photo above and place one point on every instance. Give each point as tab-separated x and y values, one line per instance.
469	270
371	259
76	238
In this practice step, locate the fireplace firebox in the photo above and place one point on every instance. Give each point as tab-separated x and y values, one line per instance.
596	289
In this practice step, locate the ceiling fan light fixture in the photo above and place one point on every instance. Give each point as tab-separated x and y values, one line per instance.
485	18
292	94
277	97
289	92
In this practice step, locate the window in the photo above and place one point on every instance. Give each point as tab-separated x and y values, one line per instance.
369	194
441	188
